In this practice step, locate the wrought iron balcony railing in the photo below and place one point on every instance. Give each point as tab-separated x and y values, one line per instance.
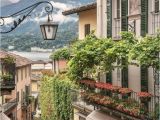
117	28
155	22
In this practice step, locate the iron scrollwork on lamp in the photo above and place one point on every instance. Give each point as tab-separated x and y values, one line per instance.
48	29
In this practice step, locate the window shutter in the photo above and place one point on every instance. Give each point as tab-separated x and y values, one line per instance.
124	15
87	29
144	17
118	9
144	79
109	77
124	74
125	77
109	18
156	5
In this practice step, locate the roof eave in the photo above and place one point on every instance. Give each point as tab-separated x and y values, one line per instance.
80	9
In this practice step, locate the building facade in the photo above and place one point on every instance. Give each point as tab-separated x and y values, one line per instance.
141	17
16	104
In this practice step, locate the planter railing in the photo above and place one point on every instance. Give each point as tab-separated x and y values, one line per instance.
122	100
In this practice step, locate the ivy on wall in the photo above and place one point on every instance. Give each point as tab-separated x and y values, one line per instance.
55	98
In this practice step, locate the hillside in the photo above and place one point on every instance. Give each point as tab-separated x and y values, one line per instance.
29	35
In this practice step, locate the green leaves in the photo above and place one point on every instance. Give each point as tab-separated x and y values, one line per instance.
55	98
93	54
63	53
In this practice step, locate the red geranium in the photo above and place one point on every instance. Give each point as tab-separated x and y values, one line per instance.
125	90
144	94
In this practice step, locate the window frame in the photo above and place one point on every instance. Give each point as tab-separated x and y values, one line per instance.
87	29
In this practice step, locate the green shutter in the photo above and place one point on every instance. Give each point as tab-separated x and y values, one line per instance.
124	74
109	77
144	79
124	15
109	18
156	6
144	17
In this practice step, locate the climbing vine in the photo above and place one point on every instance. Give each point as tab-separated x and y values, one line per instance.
55	98
94	55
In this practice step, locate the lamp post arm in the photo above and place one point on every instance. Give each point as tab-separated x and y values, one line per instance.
23	14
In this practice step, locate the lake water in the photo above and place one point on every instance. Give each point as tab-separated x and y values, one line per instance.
34	55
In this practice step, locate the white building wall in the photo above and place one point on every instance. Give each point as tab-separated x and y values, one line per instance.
101	18
134	75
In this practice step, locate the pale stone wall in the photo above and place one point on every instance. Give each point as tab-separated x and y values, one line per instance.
87	17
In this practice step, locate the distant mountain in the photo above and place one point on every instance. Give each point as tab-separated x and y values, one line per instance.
29	35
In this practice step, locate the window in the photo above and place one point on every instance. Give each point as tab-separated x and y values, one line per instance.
87	29
118	8
17	96
17	75
124	15
144	17
124	75
21	95
109	18
144	79
109	77
21	73
156	6
25	72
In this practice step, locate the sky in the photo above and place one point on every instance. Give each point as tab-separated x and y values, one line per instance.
8	2
58	17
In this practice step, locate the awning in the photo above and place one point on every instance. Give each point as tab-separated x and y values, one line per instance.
4	117
99	115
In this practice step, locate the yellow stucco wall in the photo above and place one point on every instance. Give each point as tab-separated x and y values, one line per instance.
76	117
34	87
87	17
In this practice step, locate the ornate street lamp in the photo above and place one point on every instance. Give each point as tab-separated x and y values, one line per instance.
48	29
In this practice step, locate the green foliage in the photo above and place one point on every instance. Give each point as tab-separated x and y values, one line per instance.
93	55
146	51
55	98
6	77
9	59
62	53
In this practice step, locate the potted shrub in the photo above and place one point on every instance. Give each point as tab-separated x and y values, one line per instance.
6	78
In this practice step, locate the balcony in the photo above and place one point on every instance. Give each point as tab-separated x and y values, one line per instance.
155	22
123	103
117	29
9	105
7	76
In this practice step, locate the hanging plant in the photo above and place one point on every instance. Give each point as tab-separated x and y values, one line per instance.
9	60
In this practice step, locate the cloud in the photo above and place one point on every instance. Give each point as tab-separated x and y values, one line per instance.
7	2
61	6
57	16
